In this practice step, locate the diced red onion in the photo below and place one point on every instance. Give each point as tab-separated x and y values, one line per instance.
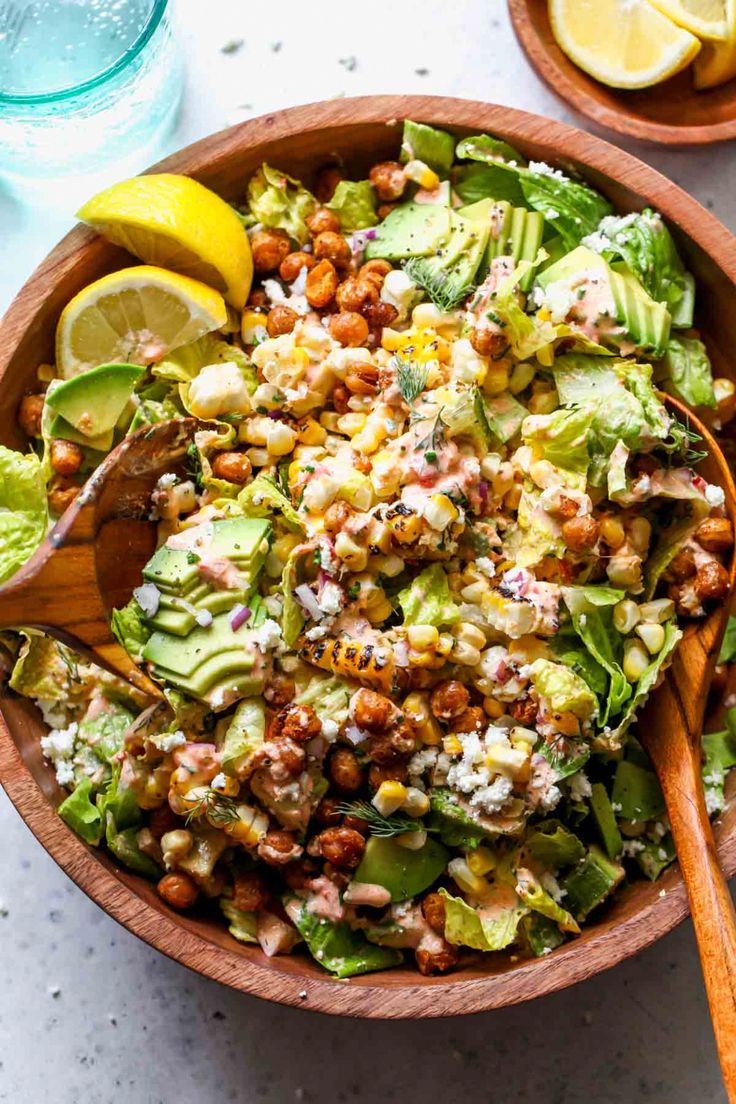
308	601
354	734
239	616
148	598
483	490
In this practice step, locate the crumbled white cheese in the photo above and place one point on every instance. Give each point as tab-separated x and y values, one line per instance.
330	599
487	788
486	565
580	787
715	495
317	632
632	847
219	782
58	746
330	730
268	635
169	741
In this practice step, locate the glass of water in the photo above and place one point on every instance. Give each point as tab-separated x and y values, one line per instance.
84	84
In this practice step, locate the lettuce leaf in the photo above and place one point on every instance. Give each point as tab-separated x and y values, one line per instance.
719	756
591	611
565	691
263	497
434	147
469	927
354	203
690	376
488	150
646	683
130	629
23	509
728	647
241	925
554	846
328	696
338	948
183	364
80	812
562	436
245	734
427	600
104	732
44	669
535	897
279	201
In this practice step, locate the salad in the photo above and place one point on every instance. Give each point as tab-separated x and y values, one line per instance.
437	538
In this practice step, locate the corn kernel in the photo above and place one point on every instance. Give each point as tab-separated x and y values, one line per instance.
45	373
391	340
405	528
523	736
474	592
625	571
445	644
422	637
626	615
494	709
422	175
311	432
379	612
351	553
512	498
612	532
464	877
451	745
175	845
427	314
469	633
330	421
350	424
389	797
465	654
636	660
723	389
658	611
357	491
640	533
253	327
521	376
250	827
258	457
481	860
652	635
416	803
440	511
543	403
281	439
496	379
390	566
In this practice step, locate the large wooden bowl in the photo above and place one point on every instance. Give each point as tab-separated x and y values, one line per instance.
673	113
300	140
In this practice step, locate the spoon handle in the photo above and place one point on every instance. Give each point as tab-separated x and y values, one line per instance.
677	760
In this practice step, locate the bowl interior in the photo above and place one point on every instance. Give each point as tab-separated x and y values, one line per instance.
301	141
672	112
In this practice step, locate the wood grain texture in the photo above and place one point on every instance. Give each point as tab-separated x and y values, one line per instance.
671	113
300	141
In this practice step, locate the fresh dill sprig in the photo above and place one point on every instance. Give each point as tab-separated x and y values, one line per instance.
433	441
380	825
682	438
194	466
444	291
218	808
412	380
69	661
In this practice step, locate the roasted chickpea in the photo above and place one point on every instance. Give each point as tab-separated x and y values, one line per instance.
250	892
488	342
376	271
389	180
341	398
711	581
387	747
433	910
299	874
337	516
372	711
322	284
323	221
258	299
682	567
436	962
356	293
301	724
345	770
362	379
387	772
163	820
331	246
61	496
380	314
280	690
566	507
356	823
580	533
281	320
472	719
715	534
327	812
66	457
349	328
234	467
343	847
292	265
279	847
29	415
178	890
269	248
327	180
341	878
449	699
524	711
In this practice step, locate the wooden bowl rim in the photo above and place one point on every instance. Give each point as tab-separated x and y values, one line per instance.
620	120
372	996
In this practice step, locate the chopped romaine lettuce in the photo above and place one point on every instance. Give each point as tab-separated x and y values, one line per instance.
488	150
434	147
689	374
241	925
104	731
130	629
592	617
263	497
565	691
23	509
279	201
605	818
535	897
483	930
553	845
562	436
354	203
328	696
338	948
45	669
427	601
244	736
719	756
183	364
80	812
646	683
728	647
590	882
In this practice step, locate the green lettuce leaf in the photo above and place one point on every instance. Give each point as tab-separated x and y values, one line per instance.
279	201
554	845
488	150
122	819
23	509
562	436
591	611
104	732
245	734
434	147
354	203
535	897
427	600
183	364
469	927
565	691
45	669
728	647
80	812
336	947
263	497
130	629
241	925
719	756
689	373
328	696
672	637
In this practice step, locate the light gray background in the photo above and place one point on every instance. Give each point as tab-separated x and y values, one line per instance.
87	1012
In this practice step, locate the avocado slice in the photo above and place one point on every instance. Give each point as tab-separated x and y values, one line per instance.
434	147
402	872
172	617
590	882
516	232
184	657
240	540
60	427
93	401
605	819
411	230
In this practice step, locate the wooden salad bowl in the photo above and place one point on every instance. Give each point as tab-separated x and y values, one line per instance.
300	140
673	113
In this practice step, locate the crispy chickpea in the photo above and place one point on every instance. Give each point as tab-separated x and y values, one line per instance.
356	823
299	874
269	248
281	320
387	747
343	847
362	379
433	910
322	284
487	342
178	890
258	299
163	820
234	467
565	508
349	328
580	533
372	710
345	770
61	496
327	813
279	847
524	711
389	180
327	180
301	724
356	293
337	516
437	962
387	772
250	892
449	699
292	265
715	534
376	271
66	457
280	690
323	221
711	581
341	398
472	719
380	314
682	567
341	878
29	415
290	755
331	246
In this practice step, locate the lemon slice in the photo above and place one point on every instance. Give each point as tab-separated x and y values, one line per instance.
716	62
175	222
623	43
135	316
705	18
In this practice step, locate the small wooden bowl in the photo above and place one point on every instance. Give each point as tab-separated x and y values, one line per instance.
299	141
672	113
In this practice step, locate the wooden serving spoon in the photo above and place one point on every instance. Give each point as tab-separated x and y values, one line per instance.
670	728
91	561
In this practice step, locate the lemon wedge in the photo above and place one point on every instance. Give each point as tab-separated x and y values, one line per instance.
704	18
134	316
622	43
177	223
716	62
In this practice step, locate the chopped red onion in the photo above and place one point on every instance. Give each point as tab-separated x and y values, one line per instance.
483	490
308	601
354	734
239	616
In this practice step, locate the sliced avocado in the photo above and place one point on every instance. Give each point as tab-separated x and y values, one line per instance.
498	241
60	427
605	818
435	148
172	617
448	274
647	322
226	666
541	933
410	230
590	882
515	232
93	401
402	872
240	540
186	656
458	824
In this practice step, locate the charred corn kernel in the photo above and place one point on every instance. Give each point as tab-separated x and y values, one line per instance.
464	877
521	376
544	402
451	745
253	327
357	491
480	860
494	709
175	846
350	552
626	615
389	797
422	637
405	525
390	565
440	511
426	661
636	660
350	424
445	644
417	712
391	340
640	533
228	786
543	473
474	592
612	532
258	457
330	421
497	379
422	175
658	611
416	802
512	498
652	635
490	465
469	633
378	536
281	439
506	760
250	827
311	432
380	612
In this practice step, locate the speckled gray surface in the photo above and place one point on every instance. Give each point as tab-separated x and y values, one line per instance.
87	1012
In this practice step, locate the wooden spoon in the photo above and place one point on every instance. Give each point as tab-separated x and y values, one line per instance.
92	559
670	729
